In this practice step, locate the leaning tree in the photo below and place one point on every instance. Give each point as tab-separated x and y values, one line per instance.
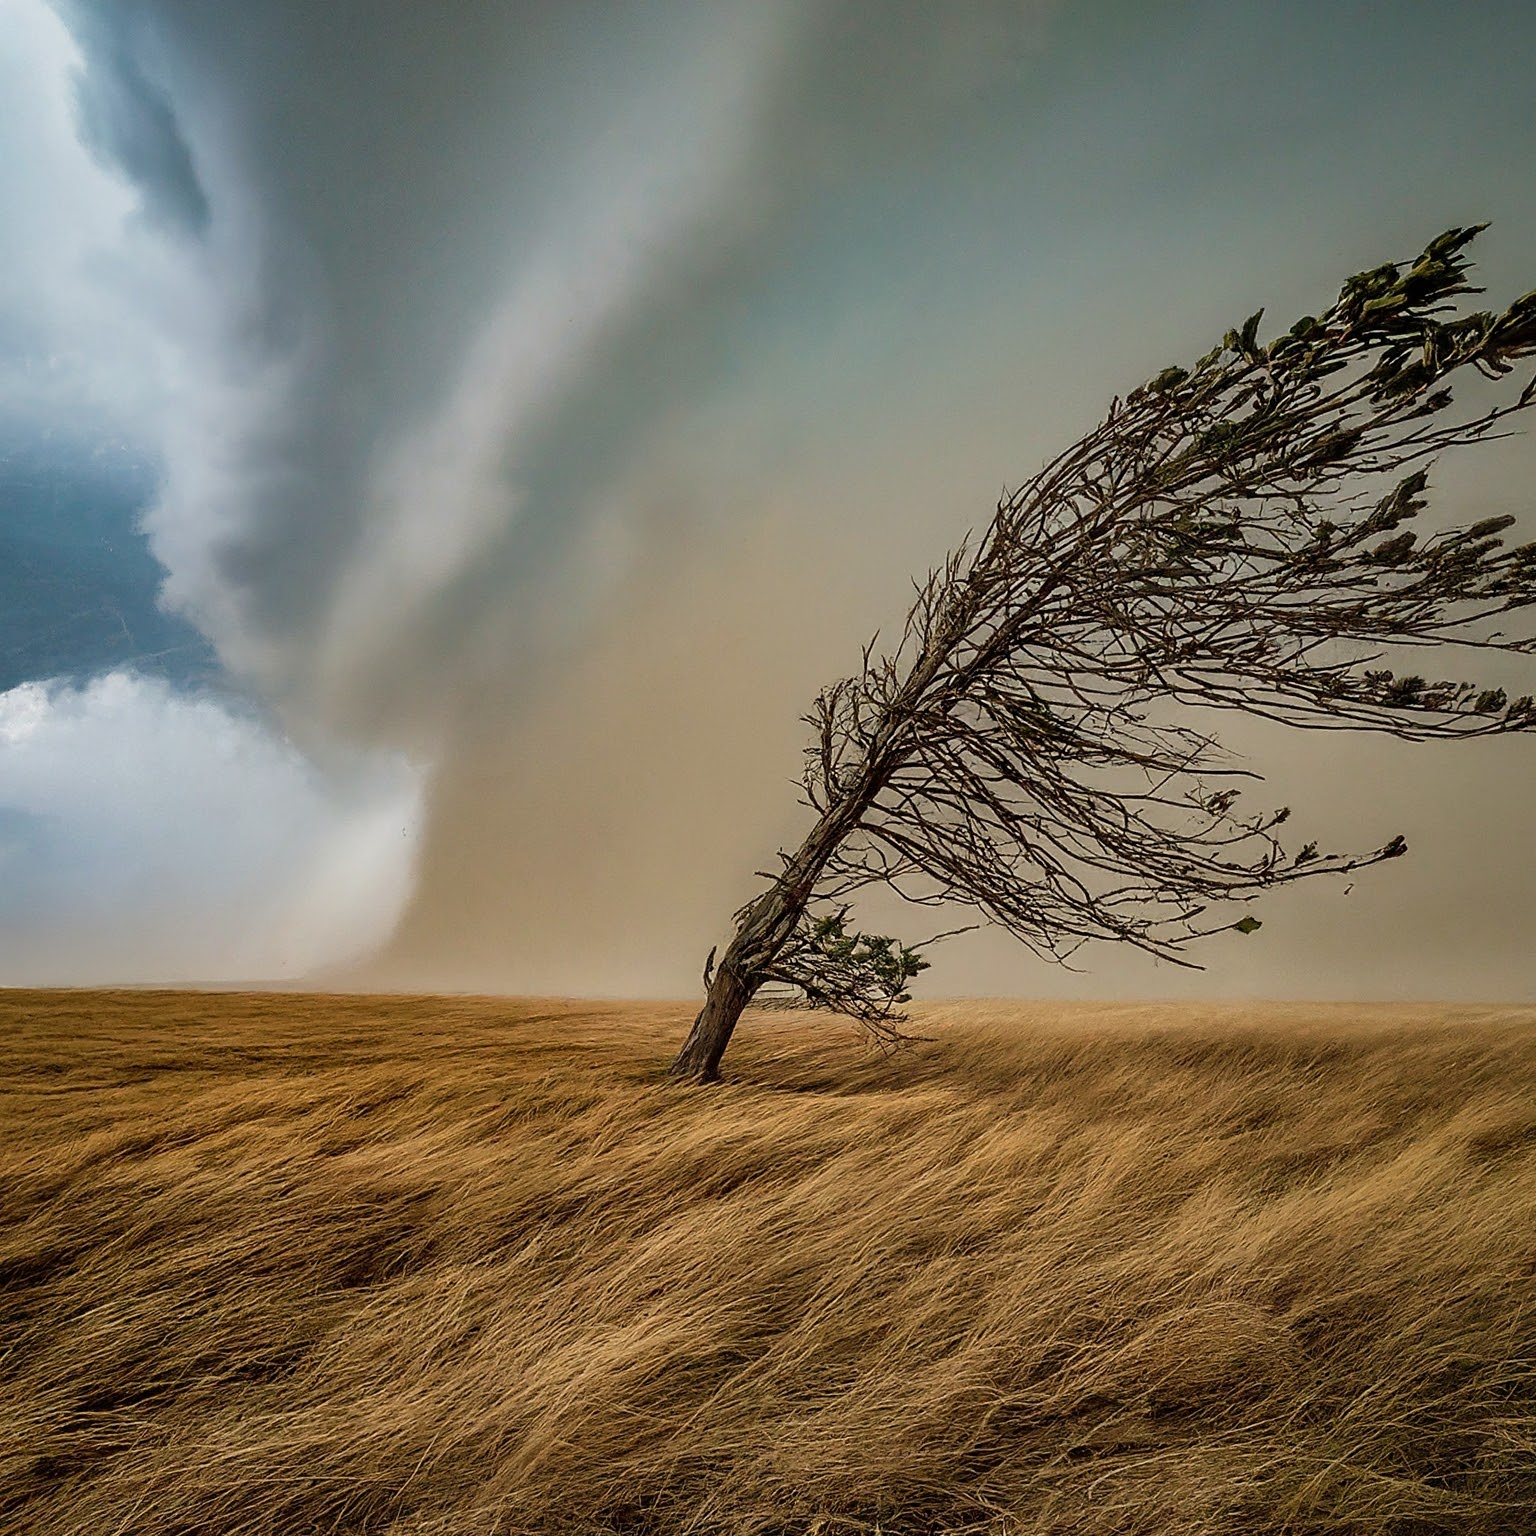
1232	536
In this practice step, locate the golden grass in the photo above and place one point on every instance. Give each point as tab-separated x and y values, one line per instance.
296	1264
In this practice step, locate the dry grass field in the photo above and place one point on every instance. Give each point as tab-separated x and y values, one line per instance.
283	1264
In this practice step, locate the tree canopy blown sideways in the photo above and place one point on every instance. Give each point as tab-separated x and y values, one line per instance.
1233	535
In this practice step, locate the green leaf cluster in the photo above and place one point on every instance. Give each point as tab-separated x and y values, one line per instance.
873	962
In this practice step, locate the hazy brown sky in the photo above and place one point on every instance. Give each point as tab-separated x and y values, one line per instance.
561	393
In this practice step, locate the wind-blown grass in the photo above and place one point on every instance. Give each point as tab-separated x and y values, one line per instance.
294	1264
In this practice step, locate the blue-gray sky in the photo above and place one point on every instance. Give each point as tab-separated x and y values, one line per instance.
540	401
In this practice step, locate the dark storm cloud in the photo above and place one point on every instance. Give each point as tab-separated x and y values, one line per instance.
78	585
152	826
407	171
591	374
508	241
127	118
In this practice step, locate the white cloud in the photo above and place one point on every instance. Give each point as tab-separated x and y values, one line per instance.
147	835
81	276
150	836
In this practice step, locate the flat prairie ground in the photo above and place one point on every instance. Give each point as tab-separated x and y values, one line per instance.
278	1264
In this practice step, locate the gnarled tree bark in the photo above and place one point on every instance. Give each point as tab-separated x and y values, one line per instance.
764	927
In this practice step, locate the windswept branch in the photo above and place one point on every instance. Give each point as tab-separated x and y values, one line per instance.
1232	536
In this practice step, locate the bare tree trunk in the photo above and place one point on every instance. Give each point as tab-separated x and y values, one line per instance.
759	936
764	929
729	993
